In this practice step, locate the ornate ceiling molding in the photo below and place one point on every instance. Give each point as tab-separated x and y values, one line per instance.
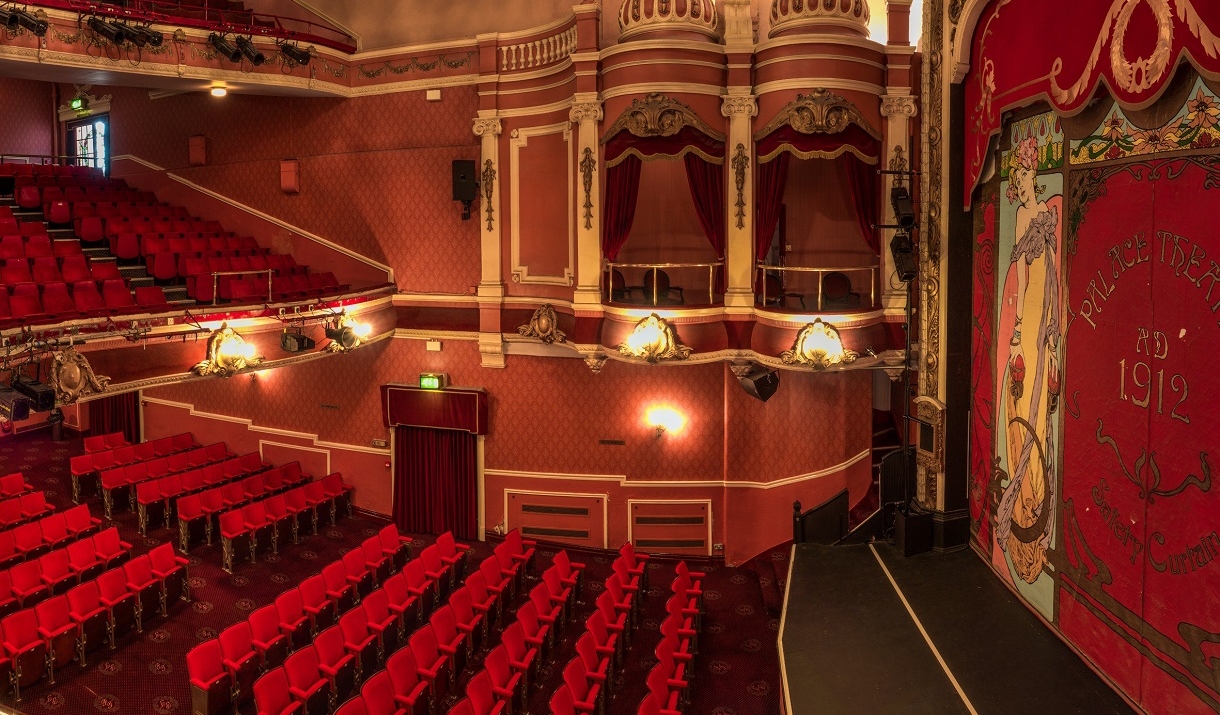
657	115
789	14
637	17
819	112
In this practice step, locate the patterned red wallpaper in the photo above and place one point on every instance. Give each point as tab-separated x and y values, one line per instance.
548	415
29	117
375	171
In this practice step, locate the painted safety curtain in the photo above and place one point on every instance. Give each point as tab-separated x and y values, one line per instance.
861	181
622	188
436	481
769	197
706	181
120	413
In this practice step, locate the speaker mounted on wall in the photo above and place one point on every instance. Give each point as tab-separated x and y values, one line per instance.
759	381
465	184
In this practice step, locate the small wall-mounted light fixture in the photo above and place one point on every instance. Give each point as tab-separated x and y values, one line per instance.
347	334
819	346
227	353
219	89
665	419
653	339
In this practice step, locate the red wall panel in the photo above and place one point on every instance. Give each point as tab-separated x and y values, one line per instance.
29	117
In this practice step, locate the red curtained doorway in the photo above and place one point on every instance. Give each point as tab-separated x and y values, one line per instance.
436	481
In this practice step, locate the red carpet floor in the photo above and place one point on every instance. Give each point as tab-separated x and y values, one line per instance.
737	671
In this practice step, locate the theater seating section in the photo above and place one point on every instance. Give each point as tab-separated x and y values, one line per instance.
68	230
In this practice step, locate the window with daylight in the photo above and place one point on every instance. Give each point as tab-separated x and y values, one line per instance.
89	141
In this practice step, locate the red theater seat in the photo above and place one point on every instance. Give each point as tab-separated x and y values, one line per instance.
120	604
58	631
265	636
272	697
506	683
90	617
378	695
335	662
315	603
24	648
211	683
144	586
240	658
306	683
410	692
294	622
359	640
170	569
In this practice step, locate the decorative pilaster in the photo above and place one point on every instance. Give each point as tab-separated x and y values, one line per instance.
586	113
739	248
898	107
491	283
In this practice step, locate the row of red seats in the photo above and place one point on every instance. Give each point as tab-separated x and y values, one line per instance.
371	635
63	181
35	245
200	282
55	303
35	538
249	516
222	670
13	485
667	681
156	498
57	269
10	225
133	245
63	628
30	196
115	440
10	168
25	584
27	507
116	481
109	211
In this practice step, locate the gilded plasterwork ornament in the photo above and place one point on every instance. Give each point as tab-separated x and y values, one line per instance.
654	339
819	346
544	325
819	112
227	353
72	376
659	116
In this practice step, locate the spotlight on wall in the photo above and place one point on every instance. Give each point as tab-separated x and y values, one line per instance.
101	28
225	48
14	406
903	252
904	208
252	53
219	90
36	22
664	419
346	334
295	341
296	54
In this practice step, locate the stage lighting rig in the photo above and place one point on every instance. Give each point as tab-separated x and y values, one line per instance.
9	20
224	48
35	22
252	53
296	54
108	30
144	35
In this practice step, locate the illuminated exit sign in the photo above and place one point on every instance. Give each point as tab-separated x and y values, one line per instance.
432	380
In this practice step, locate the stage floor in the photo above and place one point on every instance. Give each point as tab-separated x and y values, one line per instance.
850	646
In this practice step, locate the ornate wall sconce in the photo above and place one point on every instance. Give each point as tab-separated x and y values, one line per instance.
819	346
665	419
654	339
347	334
227	354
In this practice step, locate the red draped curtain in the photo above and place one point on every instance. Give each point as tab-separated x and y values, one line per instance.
119	413
436	481
706	181
862	182
622	188
772	176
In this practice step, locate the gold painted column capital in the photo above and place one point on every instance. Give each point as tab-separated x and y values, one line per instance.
488	126
732	106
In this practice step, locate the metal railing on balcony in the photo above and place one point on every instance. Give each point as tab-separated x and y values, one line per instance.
660	287
821	272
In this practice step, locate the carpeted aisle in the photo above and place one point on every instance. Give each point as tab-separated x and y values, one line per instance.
738	666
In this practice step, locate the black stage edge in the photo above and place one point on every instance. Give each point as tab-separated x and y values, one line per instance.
850	647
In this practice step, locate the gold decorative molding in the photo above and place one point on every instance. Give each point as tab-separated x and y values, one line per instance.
414	65
932	413
819	346
227	353
595	361
636	17
739	104
488	125
657	115
894	105
654	339
544	325
820	112
588	164
787	14
92	105
741	162
489	182
898	162
586	112
72	376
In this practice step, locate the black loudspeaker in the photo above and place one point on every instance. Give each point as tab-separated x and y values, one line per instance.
892	474
912	532
904	257
465	183
14	407
41	396
760	382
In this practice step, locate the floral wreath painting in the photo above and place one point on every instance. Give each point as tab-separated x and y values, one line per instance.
1028	354
1195	126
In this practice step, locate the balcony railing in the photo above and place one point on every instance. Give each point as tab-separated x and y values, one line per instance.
660	287
217	274
821	272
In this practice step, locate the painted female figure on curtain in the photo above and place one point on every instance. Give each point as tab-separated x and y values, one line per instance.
1029	343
